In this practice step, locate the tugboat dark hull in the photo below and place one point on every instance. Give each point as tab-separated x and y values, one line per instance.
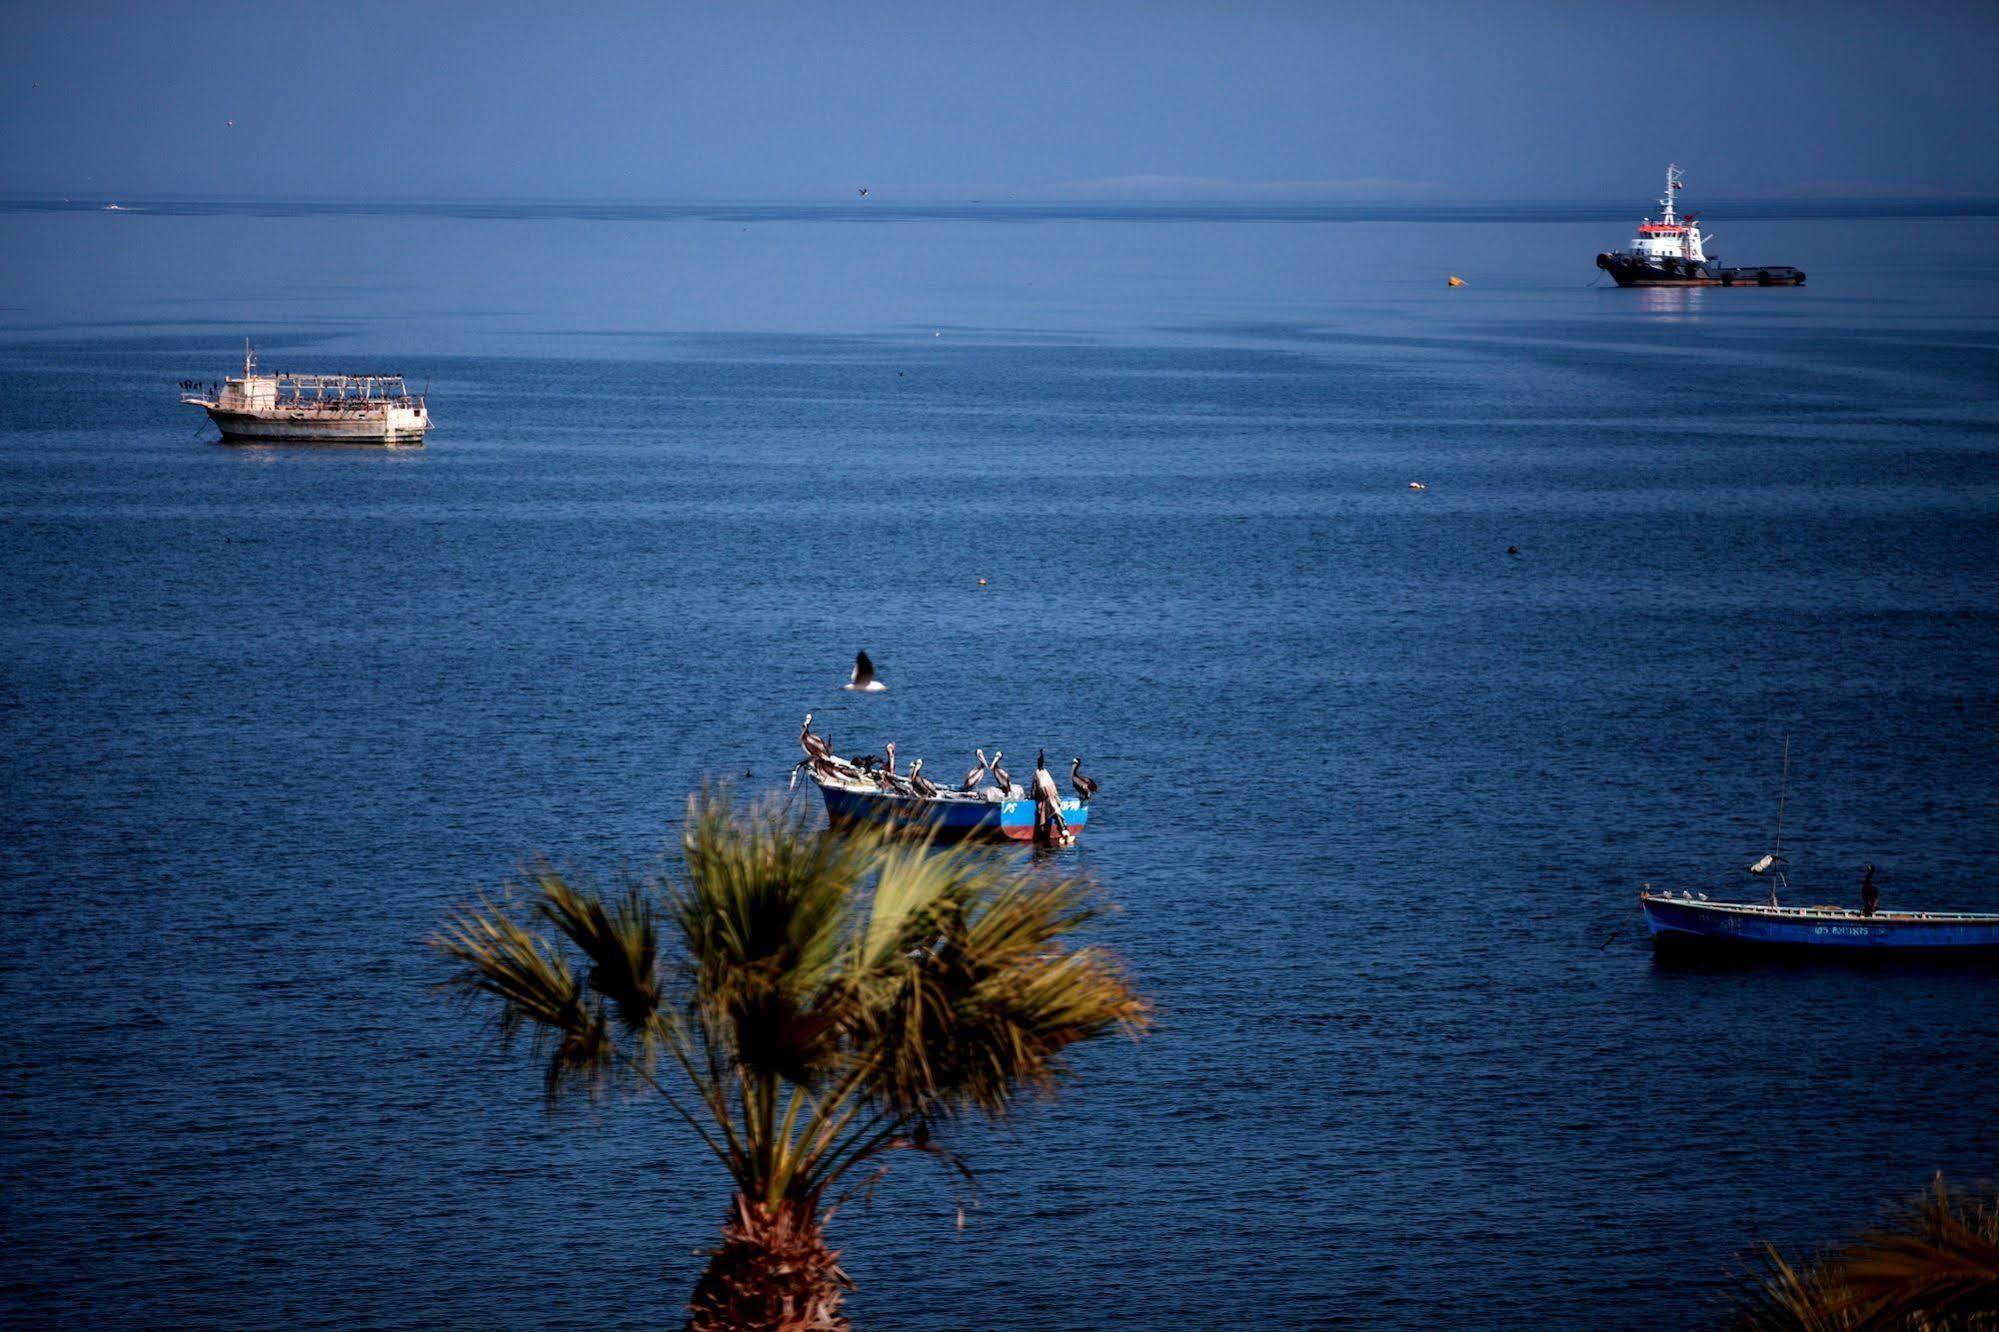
1631	270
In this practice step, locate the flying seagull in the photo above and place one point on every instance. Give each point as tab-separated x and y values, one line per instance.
864	191
864	681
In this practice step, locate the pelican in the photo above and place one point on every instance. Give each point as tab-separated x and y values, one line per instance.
1047	800
1001	775
1085	786
890	747
976	775
815	745
863	681
920	784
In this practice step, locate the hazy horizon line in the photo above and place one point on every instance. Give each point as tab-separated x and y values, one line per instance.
1581	208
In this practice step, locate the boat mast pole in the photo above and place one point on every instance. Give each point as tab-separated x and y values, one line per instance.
1777	851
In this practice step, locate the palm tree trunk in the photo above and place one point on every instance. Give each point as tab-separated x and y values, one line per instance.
772	1273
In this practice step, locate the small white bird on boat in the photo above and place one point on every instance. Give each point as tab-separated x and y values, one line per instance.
976	775
863	681
1085	786
920	784
1000	775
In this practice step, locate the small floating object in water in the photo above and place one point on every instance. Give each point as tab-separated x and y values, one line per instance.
114	208
982	582
1513	550
1456	281
863	680
1417	485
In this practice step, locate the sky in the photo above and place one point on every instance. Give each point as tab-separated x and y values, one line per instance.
942	101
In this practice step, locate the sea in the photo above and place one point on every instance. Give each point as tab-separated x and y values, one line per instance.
1383	769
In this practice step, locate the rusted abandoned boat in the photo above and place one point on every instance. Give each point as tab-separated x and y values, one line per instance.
311	409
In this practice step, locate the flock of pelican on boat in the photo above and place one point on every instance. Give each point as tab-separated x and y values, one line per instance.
868	790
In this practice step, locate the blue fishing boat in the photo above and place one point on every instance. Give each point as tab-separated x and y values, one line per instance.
1684	920
867	792
949	815
1688	921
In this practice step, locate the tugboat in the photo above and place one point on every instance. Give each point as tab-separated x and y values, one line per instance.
1672	252
311	409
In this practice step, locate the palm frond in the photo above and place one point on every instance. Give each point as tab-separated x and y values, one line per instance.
763	911
1938	1271
621	941
1946	1267
496	955
990	1003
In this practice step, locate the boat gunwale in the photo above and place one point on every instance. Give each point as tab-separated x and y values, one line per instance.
1826	912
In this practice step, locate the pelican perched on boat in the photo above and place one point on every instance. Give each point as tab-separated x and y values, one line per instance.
815	745
889	748
863	681
920	784
1047	800
1000	775
1085	786
976	775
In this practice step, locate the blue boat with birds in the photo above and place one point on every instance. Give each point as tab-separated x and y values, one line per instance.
1687	921
948	815
1691	920
867	791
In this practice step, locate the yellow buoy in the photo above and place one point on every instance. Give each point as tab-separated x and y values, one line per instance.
1457	281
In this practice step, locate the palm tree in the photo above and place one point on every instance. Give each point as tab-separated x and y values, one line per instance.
1936	1272
803	1026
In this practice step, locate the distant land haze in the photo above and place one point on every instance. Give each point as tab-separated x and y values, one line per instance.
1531	100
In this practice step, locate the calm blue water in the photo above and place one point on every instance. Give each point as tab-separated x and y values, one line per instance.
1378	796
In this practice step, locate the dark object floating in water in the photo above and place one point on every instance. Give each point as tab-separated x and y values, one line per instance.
1672	252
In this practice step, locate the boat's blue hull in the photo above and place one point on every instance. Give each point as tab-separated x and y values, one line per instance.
948	819
1677	922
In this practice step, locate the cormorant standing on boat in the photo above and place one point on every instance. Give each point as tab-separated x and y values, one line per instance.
1001	775
976	775
1085	786
920	784
1870	896
1048	821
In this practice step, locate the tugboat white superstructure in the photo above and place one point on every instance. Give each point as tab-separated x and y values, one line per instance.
312	409
1672	252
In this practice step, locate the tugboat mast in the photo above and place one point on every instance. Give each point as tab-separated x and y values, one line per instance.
1672	189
